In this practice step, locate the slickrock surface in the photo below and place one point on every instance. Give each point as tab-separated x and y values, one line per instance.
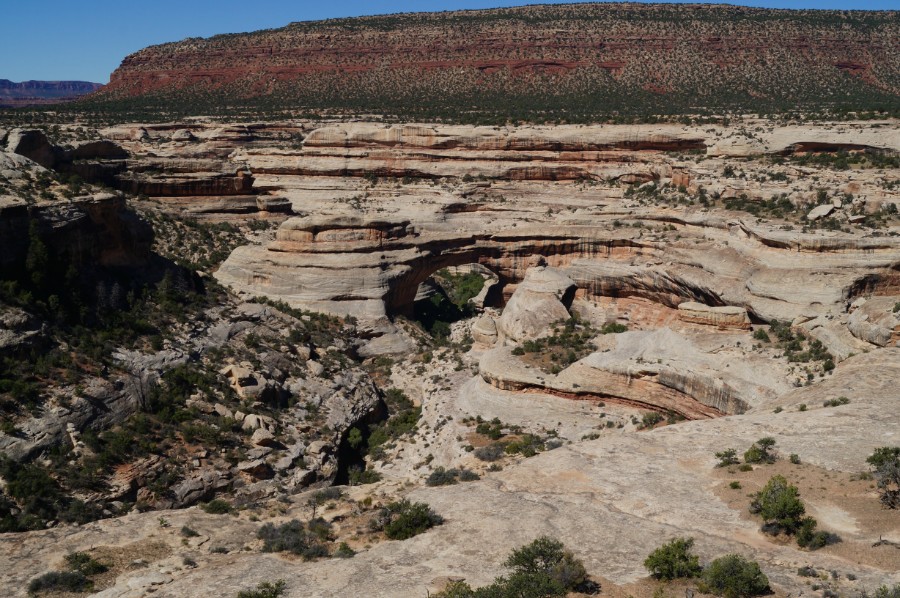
643	486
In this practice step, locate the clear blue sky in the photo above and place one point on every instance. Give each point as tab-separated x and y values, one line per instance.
87	39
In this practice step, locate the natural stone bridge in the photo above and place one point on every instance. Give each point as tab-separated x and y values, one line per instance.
371	268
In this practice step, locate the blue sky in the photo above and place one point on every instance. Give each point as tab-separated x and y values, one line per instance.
86	40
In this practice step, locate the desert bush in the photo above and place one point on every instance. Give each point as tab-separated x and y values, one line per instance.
542	569
673	560
446	477
290	537
886	463
85	564
188	532
836	402
761	335
359	476
323	496
649	420
733	576
808	537
60	581
343	551
442	477
528	445
405	519
467	475
490	453
779	504
760	452
217	506
726	458
264	590
546	557
882	592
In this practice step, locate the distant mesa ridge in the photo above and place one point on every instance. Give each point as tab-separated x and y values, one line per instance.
39	92
578	57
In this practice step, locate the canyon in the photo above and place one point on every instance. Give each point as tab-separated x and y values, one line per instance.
651	294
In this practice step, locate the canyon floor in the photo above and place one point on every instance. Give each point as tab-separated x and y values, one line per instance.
647	296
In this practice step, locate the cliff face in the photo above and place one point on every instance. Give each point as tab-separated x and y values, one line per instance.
577	58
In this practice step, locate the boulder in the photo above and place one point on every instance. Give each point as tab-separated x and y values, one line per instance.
255	422
315	368
820	212
262	437
223	411
257	469
484	330
199	487
183	135
876	322
540	300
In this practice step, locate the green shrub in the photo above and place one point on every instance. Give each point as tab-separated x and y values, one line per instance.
613	328
761	335
188	532
406	519
83	563
264	590
735	485
548	558
323	496
760	452
649	420
344	551
883	592
359	476
779	504
528	446
290	537
217	507
542	569
886	462
673	560
467	475
808	537
490	453
733	576
836	402
442	477
60	581
795	459
446	477
726	458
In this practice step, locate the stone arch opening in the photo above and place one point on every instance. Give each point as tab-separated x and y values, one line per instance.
453	293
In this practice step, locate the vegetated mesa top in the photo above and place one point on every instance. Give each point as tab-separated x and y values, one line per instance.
563	61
